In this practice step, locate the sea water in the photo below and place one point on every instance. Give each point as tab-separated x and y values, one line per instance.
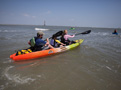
94	65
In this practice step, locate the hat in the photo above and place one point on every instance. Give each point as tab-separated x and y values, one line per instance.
40	33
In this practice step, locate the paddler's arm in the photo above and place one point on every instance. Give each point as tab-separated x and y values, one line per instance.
68	36
48	43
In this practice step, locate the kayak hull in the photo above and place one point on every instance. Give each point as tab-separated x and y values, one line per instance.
44	53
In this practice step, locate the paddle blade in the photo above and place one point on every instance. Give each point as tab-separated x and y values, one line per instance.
86	32
59	33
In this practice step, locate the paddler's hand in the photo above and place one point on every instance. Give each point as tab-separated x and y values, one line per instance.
64	44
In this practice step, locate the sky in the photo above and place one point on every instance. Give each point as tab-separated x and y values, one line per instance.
82	13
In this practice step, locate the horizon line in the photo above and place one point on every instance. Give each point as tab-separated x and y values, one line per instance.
61	25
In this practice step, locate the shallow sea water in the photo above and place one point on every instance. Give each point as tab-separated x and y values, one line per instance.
94	65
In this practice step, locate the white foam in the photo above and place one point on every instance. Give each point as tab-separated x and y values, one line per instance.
17	78
100	33
22	80
39	76
2	87
6	72
6	31
8	60
108	68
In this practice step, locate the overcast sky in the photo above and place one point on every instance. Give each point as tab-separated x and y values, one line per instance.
82	13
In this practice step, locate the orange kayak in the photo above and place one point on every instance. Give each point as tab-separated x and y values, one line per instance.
44	53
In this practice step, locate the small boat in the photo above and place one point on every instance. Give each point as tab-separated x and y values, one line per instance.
41	29
72	28
44	53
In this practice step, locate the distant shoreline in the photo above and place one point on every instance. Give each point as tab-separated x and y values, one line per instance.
55	26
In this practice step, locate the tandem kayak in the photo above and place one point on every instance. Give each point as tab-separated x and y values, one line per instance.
44	53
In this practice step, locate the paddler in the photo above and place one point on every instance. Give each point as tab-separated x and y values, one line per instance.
115	32
55	42
65	36
39	43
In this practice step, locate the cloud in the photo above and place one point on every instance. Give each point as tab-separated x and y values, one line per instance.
48	12
28	15
72	20
33	16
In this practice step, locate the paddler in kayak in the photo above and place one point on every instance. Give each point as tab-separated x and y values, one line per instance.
55	42
115	32
65	36
38	44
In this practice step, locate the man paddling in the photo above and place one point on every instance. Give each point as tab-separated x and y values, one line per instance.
39	43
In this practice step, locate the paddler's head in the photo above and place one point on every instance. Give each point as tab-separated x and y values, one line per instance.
65	31
54	37
40	34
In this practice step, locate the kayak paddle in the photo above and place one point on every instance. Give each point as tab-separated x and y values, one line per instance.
59	33
86	32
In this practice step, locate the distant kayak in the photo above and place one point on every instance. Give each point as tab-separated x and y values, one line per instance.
72	28
42	29
115	33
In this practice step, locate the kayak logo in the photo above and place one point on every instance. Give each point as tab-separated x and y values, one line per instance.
50	52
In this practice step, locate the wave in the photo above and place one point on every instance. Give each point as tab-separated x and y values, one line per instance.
105	34
10	31
101	33
41	29
17	78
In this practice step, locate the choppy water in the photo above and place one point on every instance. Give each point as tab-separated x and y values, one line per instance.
94	65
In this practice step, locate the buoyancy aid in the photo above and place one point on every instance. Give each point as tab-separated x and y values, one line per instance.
65	41
53	43
37	44
33	45
33	42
